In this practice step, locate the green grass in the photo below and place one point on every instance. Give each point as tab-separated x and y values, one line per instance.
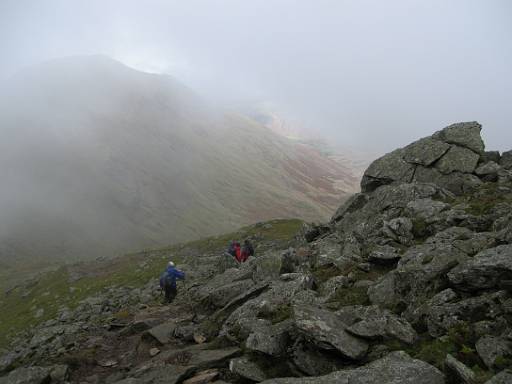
53	288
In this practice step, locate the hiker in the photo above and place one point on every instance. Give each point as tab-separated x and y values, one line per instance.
231	249
238	252
247	250
168	281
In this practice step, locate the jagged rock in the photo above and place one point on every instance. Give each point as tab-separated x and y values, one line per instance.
313	231
399	229
203	377
162	333
455	182
331	286
488	171
445	316
506	160
458	159
488	269
29	375
395	368
220	296
313	361
465	134
384	255
491	349
387	169
463	373
327	331
354	203
504	377
373	322
420	275
426	209
129	380
425	151
247	369
269	339
490	156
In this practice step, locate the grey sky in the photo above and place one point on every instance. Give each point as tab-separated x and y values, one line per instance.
366	73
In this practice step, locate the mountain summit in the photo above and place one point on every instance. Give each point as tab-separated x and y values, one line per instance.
99	159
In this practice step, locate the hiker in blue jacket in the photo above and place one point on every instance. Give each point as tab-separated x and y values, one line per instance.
168	281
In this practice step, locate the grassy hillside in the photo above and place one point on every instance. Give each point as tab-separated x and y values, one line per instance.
67	285
102	159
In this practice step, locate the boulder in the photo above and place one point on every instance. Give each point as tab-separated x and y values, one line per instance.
247	369
162	333
465	134
488	171
324	329
372	322
458	159
457	183
28	375
504	377
442	317
494	351
506	160
386	170
395	368
269	339
384	255
490	156
399	229
425	151
488	269
459	370
312	361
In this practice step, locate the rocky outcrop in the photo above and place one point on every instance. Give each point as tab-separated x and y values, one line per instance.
454	150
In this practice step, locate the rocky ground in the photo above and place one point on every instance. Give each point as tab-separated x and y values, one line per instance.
410	282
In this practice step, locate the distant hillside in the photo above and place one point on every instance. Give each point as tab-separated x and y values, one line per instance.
99	159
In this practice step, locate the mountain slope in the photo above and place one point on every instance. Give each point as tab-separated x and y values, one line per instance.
98	159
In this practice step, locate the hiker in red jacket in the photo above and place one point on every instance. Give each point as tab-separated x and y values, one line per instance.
238	252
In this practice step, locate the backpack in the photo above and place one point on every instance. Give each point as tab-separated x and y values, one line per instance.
165	280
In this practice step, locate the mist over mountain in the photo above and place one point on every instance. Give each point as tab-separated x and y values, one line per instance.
99	159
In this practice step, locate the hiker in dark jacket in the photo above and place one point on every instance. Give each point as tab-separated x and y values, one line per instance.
247	250
231	249
168	281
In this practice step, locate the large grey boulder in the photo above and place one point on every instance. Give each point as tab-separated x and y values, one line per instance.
488	269
247	369
504	377
442	317
458	159
488	171
446	158
325	329
395	368
372	322
421	273
459	370
312	361
269	339
491	348
465	134
28	375
457	183
425	151
506	160
387	169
